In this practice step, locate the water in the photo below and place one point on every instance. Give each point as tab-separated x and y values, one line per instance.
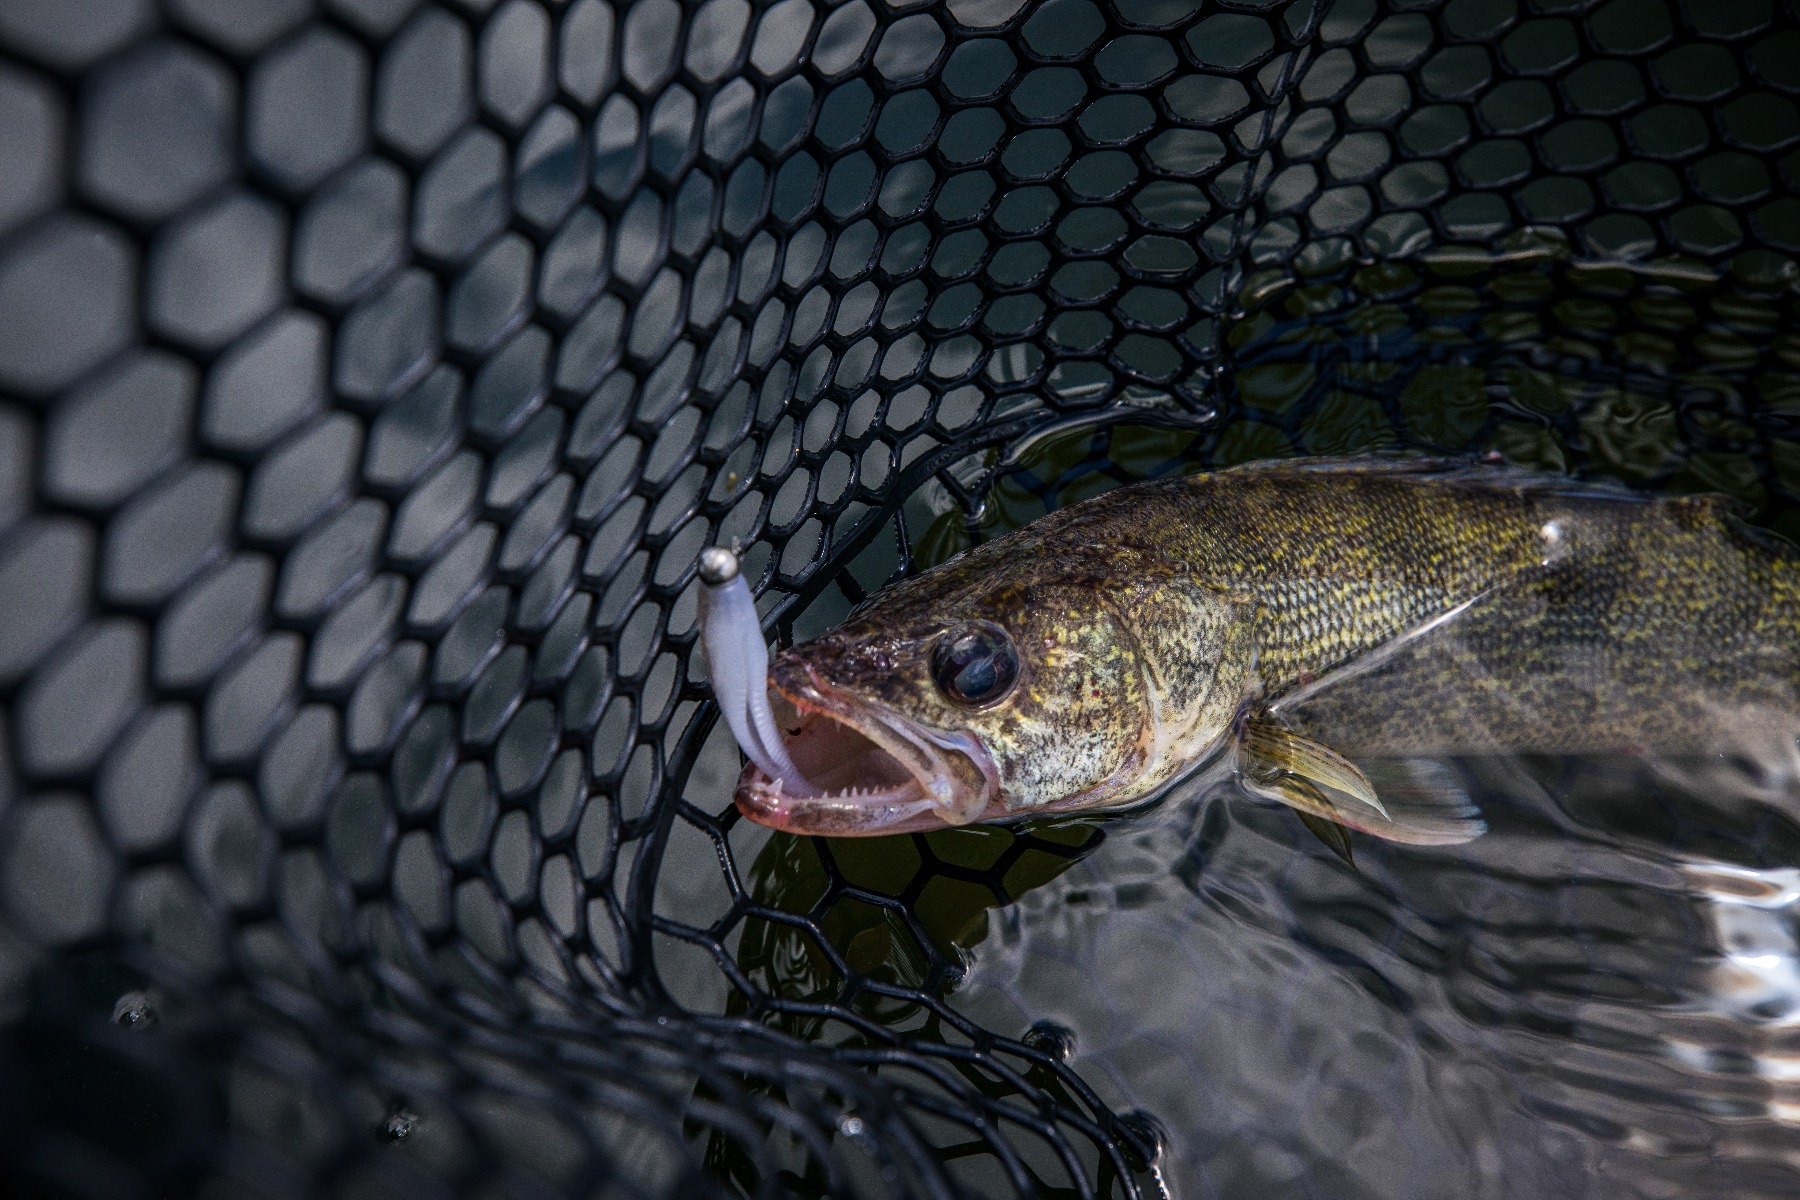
1599	997
1587	1001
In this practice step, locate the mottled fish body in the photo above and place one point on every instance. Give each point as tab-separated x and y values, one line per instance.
1313	617
1409	608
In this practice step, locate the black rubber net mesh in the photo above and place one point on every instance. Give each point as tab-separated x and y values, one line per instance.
374	370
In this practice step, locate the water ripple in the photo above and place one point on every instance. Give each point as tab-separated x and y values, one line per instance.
1600	998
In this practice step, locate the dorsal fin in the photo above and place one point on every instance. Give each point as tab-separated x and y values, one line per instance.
1710	505
1357	464
1470	472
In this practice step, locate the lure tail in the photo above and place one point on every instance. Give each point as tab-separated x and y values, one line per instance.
737	660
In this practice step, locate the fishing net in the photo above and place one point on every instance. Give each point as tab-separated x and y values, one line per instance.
373	371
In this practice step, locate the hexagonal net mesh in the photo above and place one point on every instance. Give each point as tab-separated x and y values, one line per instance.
374	371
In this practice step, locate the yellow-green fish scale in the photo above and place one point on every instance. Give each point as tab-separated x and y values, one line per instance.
1595	619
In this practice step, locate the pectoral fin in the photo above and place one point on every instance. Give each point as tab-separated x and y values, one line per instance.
1335	836
1417	802
1273	753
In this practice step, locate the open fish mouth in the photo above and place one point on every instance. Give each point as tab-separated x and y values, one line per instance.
871	770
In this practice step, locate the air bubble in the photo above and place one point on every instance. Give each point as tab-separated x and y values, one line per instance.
1145	1139
1054	1041
134	1010
400	1124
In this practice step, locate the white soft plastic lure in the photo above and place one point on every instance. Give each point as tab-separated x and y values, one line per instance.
737	659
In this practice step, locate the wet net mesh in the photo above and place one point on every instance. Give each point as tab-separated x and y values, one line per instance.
372	372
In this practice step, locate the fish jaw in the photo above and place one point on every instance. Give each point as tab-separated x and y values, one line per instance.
879	772
871	814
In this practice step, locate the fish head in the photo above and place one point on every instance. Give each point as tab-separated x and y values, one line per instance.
992	688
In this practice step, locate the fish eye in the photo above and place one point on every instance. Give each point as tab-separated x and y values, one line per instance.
975	664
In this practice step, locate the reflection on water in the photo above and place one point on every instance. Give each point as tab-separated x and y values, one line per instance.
904	914
1598	998
1759	977
896	918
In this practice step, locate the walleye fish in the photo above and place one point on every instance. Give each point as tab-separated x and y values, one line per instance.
1334	624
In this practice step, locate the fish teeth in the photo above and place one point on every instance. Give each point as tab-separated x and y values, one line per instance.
853	793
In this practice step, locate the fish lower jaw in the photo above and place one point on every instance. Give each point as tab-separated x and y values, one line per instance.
756	780
848	812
